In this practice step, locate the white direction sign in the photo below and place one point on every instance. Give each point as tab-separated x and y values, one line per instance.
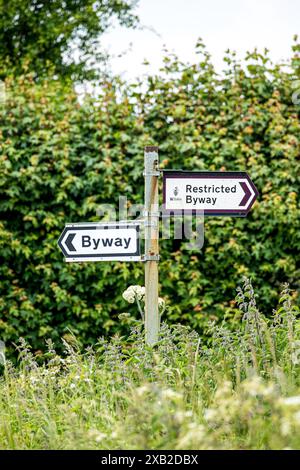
110	241
210	192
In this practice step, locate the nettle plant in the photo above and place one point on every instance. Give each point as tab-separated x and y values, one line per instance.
264	345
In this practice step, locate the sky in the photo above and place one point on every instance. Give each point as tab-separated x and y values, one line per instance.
239	25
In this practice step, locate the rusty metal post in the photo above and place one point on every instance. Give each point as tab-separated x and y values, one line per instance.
151	258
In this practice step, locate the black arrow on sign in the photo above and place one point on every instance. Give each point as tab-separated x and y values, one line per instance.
69	240
247	194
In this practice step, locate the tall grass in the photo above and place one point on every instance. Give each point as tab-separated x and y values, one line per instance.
239	391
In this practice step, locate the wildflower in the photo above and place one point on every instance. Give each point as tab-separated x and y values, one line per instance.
182	416
124	315
194	435
169	394
291	401
161	304
210	415
96	435
34	380
255	386
140	391
224	391
133	293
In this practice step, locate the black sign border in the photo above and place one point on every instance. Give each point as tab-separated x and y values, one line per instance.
180	174
68	228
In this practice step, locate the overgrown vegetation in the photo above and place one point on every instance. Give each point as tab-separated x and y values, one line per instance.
242	391
60	160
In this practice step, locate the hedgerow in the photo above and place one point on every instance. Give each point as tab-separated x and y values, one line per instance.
60	159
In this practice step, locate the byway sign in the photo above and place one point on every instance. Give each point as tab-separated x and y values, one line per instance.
115	241
213	192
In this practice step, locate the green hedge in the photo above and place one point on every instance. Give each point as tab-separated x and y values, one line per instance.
60	159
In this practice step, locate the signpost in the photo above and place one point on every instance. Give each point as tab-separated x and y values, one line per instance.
184	192
151	217
211	192
110	241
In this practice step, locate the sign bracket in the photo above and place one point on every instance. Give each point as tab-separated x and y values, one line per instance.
145	258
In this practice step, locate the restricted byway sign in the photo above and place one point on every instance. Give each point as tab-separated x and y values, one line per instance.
208	192
114	241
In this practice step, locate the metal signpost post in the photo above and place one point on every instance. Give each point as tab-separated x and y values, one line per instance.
184	192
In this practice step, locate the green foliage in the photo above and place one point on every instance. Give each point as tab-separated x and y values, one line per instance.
59	160
240	392
58	36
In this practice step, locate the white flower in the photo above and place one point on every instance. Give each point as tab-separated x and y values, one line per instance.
34	380
256	386
140	292
291	401
129	296
140	391
209	414
169	394
97	435
100	437
134	292
182	416
193	436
